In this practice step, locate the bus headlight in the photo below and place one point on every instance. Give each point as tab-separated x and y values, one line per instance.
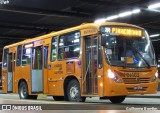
155	77
113	76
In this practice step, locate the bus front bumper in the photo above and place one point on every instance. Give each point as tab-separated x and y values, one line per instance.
121	89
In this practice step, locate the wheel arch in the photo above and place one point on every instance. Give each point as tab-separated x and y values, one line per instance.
22	80
66	82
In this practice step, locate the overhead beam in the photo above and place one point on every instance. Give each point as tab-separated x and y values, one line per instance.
43	27
111	3
34	28
44	12
15	37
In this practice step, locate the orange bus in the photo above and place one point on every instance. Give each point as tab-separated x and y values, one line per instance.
108	60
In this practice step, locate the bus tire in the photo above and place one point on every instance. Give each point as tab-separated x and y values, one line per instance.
73	92
23	91
58	98
117	99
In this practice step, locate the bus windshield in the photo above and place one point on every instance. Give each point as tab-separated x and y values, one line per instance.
117	48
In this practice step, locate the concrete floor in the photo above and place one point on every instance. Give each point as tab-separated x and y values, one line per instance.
92	105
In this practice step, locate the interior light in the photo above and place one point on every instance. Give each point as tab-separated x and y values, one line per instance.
98	21
61	44
76	40
112	17
125	14
77	49
154	35
28	45
154	6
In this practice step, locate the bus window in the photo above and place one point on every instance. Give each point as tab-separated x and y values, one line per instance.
37	58
19	54
54	49
26	58
69	46
5	58
45	56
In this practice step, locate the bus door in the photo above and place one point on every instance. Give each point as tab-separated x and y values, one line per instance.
37	73
10	73
90	79
45	68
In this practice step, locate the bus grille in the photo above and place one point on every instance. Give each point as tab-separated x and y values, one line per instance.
136	80
134	90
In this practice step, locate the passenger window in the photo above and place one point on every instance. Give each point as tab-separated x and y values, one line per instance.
37	58
26	58
5	58
45	56
19	55
54	49
69	46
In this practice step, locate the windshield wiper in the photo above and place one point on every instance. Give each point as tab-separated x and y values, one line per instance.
142	57
140	54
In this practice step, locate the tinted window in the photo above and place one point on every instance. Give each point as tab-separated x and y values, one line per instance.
45	56
54	49
19	55
26	58
5	58
37	58
69	46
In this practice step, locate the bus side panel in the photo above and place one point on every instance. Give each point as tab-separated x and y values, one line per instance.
59	71
24	72
4	80
100	82
55	78
18	76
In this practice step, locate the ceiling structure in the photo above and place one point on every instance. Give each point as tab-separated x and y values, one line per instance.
22	19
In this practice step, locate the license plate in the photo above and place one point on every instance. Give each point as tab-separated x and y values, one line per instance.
138	87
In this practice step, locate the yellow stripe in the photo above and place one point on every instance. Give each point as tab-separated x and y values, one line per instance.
42	96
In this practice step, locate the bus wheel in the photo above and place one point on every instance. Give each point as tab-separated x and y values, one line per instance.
58	98
23	91
117	99
73	92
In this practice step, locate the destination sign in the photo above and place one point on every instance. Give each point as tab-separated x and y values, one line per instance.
126	31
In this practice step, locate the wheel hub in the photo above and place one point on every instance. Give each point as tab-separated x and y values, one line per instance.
23	92
74	92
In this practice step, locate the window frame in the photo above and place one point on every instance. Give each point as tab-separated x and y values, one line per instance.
23	54
7	50
52	48
72	32
17	55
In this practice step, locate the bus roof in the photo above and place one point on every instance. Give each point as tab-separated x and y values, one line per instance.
82	26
